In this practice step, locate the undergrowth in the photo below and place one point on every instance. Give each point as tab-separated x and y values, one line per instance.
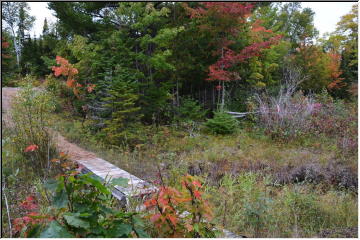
243	167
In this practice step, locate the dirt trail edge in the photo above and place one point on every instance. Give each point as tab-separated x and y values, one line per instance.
89	161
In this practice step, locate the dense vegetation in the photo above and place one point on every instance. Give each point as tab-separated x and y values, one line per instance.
148	86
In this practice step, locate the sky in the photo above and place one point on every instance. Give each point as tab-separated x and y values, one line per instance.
327	14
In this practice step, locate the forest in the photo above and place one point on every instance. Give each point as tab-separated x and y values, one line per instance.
240	113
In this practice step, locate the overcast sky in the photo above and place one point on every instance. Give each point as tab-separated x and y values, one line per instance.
327	14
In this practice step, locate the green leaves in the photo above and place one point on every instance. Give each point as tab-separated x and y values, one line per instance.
139	227
51	185
122	182
74	220
60	199
96	183
141	233
84	205
57	187
55	230
123	230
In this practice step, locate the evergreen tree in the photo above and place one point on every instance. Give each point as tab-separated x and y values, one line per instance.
45	30
121	102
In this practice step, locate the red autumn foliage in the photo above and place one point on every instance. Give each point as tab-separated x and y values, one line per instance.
30	219
217	71
31	148
171	205
4	44
29	203
231	15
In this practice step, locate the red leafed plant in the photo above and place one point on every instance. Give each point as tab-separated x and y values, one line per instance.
22	226
4	44
181	213
68	70
31	148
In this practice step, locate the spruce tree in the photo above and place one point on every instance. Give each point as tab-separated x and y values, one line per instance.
121	102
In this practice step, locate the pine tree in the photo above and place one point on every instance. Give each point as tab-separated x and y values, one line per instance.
45	30
121	102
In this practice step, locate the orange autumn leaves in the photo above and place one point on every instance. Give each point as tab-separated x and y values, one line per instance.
335	72
68	70
178	211
65	69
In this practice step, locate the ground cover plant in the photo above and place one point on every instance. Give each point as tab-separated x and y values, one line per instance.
240	113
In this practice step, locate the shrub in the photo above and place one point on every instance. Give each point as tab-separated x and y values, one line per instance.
286	115
28	80
222	123
30	116
338	120
183	212
53	85
189	110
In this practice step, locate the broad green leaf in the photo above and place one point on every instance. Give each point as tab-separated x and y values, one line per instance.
55	230
34	231
137	221
122	182
97	184
138	227
75	221
123	230
196	227
60	199
141	233
51	185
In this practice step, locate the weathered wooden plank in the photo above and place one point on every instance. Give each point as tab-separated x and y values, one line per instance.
105	170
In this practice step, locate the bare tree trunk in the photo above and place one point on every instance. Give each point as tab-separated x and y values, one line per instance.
177	93
16	48
223	86
204	104
218	97
213	96
223	96
7	211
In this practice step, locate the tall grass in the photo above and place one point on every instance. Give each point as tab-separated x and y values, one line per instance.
249	205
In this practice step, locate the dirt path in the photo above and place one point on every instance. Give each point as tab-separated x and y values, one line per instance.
6	96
